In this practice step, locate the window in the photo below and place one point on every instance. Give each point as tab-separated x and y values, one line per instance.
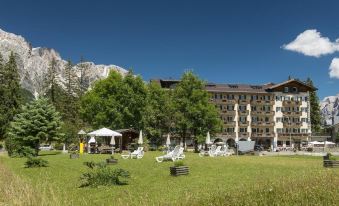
267	130
286	89
279	130
278	119
254	119
243	129
242	119
295	89
267	119
254	130
278	109
242	107
230	107
242	97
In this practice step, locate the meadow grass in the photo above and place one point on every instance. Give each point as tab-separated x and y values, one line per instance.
243	180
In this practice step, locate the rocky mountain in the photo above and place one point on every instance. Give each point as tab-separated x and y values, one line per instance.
330	109
33	63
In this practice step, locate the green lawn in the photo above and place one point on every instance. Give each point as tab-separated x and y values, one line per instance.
243	180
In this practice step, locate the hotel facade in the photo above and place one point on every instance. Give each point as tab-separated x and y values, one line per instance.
276	116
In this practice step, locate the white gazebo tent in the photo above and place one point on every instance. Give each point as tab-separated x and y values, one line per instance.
104	132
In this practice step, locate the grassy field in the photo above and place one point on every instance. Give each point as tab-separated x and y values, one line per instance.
243	180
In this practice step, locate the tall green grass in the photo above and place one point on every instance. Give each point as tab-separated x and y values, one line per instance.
243	180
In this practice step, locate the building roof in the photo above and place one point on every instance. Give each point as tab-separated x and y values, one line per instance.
238	88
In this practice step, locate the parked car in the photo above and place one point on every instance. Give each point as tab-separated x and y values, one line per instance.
45	147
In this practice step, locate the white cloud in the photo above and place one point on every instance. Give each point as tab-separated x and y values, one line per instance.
334	68
311	43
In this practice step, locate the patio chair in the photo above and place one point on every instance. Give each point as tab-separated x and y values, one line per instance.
214	151
139	153
224	152
175	154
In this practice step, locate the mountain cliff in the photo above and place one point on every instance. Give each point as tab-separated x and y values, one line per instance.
33	63
330	109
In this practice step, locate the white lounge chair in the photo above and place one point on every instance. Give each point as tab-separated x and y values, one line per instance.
177	153
214	151
139	153
224	152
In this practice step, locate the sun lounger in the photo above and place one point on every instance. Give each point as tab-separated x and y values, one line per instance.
176	154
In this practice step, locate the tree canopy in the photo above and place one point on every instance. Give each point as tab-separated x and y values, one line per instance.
38	122
115	102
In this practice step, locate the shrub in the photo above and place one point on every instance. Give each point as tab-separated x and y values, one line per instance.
93	165
179	163
161	148
104	176
35	162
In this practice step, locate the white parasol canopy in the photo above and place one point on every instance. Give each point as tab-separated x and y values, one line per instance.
104	132
208	138
81	132
328	142
168	140
316	142
92	140
140	141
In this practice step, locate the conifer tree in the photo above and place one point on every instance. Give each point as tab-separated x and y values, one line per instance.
314	109
10	92
37	123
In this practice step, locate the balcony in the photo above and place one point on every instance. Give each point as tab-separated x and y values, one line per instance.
229	123
260	134
291	113
242	124
243	112
293	135
264	124
244	101
262	102
291	103
292	124
243	134
229	112
257	112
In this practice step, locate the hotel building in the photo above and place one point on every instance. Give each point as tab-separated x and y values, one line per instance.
273	115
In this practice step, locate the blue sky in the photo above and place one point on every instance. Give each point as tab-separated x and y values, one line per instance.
222	41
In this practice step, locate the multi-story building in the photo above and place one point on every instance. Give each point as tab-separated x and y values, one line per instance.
273	115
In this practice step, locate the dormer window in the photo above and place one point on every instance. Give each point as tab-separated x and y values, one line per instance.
294	89
286	89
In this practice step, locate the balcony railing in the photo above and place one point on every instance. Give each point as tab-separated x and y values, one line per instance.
290	103
260	134
266	124
292	113
257	112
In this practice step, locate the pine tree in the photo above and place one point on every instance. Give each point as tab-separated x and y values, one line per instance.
83	79
314	109
10	92
38	122
51	81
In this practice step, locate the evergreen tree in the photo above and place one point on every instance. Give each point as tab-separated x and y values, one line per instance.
10	92
158	115
314	109
195	115
70	105
38	122
83	79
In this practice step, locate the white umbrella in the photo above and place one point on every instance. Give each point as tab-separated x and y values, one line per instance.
168	141
112	141
92	140
140	138
328	142
208	138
